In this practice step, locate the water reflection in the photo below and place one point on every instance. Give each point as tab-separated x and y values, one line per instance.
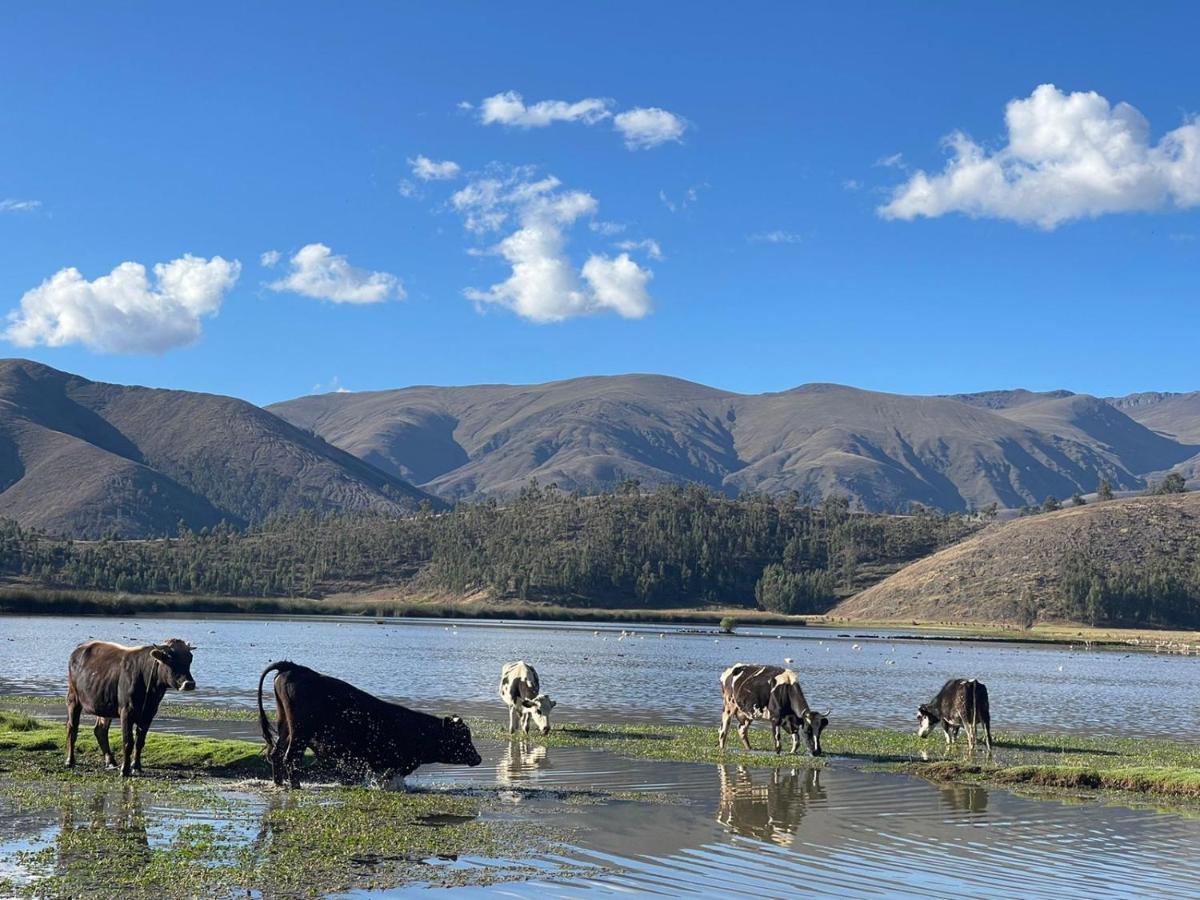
106	829
767	805
967	798
519	761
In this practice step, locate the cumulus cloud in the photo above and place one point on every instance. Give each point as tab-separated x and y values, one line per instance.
642	127
775	237
1068	156
124	311
434	170
606	228
509	109
270	259
646	127
12	205
648	245
316	271
543	285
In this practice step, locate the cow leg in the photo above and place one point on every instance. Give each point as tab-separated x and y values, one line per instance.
101	732
775	737
946	732
795	741
137	747
293	756
726	721
126	743
513	719
277	768
74	711
744	733
987	734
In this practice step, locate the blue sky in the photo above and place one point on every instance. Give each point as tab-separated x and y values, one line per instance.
773	165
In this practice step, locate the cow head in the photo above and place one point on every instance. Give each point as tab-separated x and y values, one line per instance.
812	723
927	717
176	656
456	747
538	711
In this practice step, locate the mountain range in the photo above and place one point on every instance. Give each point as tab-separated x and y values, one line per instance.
84	458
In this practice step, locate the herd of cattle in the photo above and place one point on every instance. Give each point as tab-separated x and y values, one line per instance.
356	731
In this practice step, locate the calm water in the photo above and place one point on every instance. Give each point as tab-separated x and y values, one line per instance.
734	831
657	674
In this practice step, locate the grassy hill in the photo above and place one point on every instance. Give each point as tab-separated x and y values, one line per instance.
83	458
1134	561
884	450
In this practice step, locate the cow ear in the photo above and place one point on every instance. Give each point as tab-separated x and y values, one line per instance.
159	654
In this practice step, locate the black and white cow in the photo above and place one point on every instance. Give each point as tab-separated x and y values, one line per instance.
520	691
773	693
961	703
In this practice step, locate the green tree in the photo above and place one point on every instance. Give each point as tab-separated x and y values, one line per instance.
1051	503
1104	491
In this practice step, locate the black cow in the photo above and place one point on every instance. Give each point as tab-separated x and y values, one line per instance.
353	729
961	703
109	681
769	692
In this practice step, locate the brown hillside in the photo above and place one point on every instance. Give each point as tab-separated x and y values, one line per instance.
982	578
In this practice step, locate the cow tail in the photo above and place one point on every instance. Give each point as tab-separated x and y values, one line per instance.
974	708
263	722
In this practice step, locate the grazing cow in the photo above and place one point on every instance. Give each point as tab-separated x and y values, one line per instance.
772	693
354	730
109	681
961	703
519	689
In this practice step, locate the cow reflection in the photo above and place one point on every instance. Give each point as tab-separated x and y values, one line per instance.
767	806
107	829
520	760
968	798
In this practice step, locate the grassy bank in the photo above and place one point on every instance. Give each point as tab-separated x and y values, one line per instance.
199	823
1147	766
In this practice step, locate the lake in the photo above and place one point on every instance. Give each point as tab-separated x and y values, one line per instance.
726	830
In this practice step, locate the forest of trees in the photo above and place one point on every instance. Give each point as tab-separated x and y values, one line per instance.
675	546
1158	593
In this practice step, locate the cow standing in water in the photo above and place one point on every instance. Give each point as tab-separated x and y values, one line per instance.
354	730
520	691
961	703
109	681
772	693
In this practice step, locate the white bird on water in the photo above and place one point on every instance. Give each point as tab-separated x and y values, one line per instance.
856	647
787	660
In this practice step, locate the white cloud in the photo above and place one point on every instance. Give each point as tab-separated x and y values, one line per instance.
852	184
646	127
775	237
895	161
509	109
1068	156
606	228
270	259
335	386
690	196
407	189
317	272
649	245
11	205
123	312
543	285
434	170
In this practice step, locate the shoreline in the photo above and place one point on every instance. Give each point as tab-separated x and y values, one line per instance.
372	609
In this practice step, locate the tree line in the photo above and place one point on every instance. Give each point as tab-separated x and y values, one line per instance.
677	545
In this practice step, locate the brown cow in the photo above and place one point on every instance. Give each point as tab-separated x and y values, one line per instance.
110	681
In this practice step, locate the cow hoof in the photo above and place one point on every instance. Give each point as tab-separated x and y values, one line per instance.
70	763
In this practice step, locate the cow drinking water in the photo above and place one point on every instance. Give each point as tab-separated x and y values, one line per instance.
961	703
520	691
773	693
354	730
109	681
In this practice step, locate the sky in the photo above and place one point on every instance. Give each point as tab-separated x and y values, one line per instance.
272	200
